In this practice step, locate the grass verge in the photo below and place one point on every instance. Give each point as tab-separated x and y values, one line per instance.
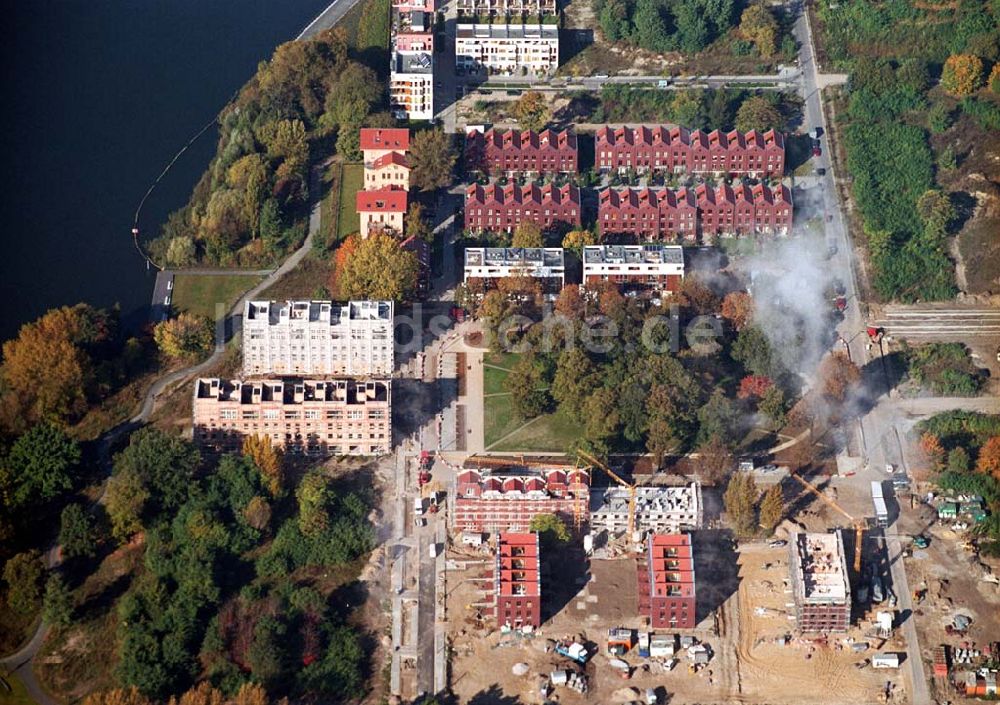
352	181
199	293
12	691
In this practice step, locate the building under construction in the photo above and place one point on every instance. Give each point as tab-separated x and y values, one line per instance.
820	583
657	509
518	581
506	497
666	582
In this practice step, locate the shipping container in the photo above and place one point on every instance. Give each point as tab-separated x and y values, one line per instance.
886	660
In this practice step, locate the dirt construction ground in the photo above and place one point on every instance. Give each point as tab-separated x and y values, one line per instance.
747	665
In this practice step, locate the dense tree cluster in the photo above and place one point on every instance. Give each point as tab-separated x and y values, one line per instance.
614	366
707	109
198	604
374	268
666	25
250	205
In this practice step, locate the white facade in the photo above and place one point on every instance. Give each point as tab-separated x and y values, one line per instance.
633	261
507	48
411	85
501	262
318	338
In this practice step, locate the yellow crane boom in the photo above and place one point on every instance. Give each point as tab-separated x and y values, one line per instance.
614	476
859	526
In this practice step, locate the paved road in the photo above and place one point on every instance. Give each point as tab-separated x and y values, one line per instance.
877	424
327	19
20	662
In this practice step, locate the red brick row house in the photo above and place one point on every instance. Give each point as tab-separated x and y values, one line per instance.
679	150
667	591
521	152
684	214
517	580
496	207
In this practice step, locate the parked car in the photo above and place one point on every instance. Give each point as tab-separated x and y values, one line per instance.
817	151
777	543
820	171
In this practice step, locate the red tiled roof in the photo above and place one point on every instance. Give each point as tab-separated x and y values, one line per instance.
387	200
379	138
391	158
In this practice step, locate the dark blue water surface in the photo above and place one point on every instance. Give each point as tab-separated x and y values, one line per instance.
98	95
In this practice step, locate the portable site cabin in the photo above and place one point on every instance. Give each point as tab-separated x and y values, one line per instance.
947	510
885	660
662	646
881	512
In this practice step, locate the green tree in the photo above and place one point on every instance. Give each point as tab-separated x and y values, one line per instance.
125	501
526	384
692	26
351	98
377	268
753	350
76	532
740	500
574	379
181	252
164	464
432	160
339	672
772	508
758	113
719	417
270	223
186	337
23	574
313	496
57	606
551	530
528	234
532	111
936	212
267	656
959	461
40	466
939	118
602	418
613	20
416	223
774	405
759	26
649	27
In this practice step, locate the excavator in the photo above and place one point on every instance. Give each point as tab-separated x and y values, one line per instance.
859	525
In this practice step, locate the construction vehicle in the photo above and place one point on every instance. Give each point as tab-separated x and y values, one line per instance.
424	474
614	476
859	526
574	651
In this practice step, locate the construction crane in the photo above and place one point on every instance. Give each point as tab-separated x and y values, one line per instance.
859	526
614	476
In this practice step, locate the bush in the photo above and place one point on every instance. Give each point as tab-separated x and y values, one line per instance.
944	368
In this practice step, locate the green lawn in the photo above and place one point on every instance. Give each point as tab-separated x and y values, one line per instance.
551	432
12	691
353	181
199	294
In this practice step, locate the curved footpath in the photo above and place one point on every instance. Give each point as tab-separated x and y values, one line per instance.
20	662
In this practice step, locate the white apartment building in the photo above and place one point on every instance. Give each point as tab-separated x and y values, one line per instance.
411	79
507	48
319	338
546	263
656	267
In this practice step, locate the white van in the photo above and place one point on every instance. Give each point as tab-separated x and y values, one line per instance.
433	550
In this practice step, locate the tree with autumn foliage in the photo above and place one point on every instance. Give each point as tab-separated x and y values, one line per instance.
754	386
931	446
570	303
374	268
772	508
737	308
988	461
962	74
267	458
532	111
186	337
838	375
758	25
715	461
576	240
528	234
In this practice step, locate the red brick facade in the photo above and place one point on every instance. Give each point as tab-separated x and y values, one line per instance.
518	581
495	207
678	150
511	151
649	214
667	584
493	502
683	214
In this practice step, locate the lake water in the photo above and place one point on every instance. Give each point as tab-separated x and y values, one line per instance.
98	95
